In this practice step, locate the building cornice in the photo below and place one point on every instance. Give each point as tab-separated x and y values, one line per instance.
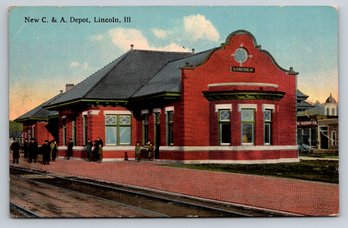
243	95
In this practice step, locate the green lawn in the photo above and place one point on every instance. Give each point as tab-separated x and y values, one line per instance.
313	170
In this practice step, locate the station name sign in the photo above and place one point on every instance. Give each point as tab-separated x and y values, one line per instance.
242	69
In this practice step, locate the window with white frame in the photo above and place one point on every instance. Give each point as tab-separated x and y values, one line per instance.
267	117
85	129
248	123
224	126
157	125
64	130
117	129
170	122
145	121
73	130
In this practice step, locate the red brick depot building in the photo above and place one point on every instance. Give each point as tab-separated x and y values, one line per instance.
229	104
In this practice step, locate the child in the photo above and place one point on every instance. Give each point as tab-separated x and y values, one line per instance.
137	151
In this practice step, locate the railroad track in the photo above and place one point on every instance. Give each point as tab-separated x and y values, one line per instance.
18	211
147	203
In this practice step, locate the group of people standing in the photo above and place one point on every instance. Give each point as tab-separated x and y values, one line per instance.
31	149
49	150
148	150
94	150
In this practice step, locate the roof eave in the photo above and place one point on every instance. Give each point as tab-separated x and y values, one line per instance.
165	95
87	101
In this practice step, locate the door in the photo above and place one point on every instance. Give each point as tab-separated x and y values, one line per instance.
157	134
158	140
324	138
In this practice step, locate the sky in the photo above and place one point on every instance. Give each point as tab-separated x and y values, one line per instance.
43	57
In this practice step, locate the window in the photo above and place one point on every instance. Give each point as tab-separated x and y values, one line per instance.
327	111
248	122
73	129
145	118
267	116
333	111
117	129
157	130
170	121
333	138
313	136
64	130
85	129
33	131
224	127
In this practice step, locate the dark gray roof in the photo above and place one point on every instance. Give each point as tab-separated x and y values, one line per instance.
120	79
304	104
168	79
299	94
331	100
39	113
315	110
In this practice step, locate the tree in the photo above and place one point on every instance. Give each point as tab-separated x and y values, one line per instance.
15	127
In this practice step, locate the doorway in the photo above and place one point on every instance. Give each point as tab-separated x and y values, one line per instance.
324	138
157	141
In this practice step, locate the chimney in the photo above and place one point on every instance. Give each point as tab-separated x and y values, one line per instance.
68	87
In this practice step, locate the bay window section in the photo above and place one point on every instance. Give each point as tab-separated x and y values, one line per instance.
225	127
248	123
267	116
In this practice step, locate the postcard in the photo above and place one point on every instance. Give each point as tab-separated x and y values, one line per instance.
173	111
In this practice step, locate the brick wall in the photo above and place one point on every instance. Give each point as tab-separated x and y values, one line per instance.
197	113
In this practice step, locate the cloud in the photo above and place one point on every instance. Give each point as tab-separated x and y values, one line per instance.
193	28
76	64
123	38
160	33
97	37
198	27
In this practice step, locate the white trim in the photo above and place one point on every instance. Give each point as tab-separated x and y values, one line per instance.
223	106
225	144
85	113
78	148
243	84
118	148
74	148
117	112
226	148
63	117
156	110
94	112
245	106
170	108
146	111
264	161
268	106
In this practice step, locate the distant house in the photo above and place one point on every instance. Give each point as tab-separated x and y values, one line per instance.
302	104
40	123
229	104
318	126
